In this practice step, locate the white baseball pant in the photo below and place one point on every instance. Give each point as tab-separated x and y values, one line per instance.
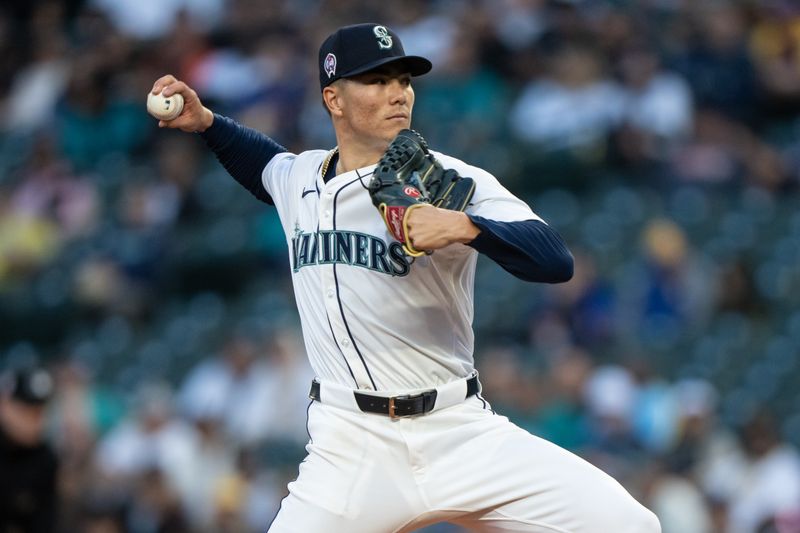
368	473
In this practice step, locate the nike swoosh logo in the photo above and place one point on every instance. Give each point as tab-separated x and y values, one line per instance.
307	191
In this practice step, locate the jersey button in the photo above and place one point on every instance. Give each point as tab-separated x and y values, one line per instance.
327	214
345	343
330	293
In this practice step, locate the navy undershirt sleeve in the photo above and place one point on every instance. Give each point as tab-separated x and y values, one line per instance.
529	249
243	152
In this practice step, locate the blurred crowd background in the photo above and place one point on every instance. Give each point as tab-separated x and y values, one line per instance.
660	137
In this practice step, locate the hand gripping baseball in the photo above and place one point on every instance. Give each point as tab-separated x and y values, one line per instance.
407	177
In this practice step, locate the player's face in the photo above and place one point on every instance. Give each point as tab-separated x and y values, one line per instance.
378	104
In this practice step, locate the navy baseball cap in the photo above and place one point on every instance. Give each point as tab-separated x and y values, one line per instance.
30	386
359	48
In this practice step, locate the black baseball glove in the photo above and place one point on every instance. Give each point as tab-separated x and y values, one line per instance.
407	177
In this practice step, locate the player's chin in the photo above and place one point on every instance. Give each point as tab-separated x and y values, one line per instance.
395	124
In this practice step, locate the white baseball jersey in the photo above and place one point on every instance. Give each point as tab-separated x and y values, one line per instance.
372	317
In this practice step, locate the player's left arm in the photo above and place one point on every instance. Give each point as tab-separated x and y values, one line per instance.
529	249
498	225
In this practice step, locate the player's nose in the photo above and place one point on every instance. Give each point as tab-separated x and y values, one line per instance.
397	92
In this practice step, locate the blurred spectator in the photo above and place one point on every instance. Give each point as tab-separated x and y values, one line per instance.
155	506
679	504
148	19
573	108
262	487
249	392
673	288
737	288
550	333
461	99
562	120
775	46
231	77
657	108
82	411
213	461
95	118
36	88
705	450
149	206
229	387
611	394
722	151
712	155
29	466
50	190
259	82
655	415
27	241
717	64
430	33
517	23
589	304
162	195
289	376
567	22
658	102
151	440
101	516
228	516
770	488
100	287
562	417
510	385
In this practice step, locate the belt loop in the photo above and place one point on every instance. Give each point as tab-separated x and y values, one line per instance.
314	393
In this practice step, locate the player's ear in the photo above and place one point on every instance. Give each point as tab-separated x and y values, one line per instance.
331	96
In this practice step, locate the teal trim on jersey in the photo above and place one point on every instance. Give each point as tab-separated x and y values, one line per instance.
328	247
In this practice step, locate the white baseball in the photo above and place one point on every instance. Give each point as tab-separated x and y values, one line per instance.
164	107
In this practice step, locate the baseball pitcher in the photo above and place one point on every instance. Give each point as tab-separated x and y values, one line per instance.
383	235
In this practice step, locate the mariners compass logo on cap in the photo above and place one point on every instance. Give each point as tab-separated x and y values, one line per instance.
384	39
351	50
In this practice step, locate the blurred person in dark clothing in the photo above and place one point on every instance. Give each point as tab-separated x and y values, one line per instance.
717	64
27	463
155	506
768	494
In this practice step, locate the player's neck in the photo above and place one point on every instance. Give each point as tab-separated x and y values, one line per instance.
348	162
355	153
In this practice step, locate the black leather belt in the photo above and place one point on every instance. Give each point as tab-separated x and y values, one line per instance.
397	406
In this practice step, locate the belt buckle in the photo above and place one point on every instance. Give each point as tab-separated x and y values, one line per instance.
392	413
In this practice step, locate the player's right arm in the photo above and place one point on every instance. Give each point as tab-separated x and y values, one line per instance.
242	151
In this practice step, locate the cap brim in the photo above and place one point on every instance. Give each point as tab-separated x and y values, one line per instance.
415	65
